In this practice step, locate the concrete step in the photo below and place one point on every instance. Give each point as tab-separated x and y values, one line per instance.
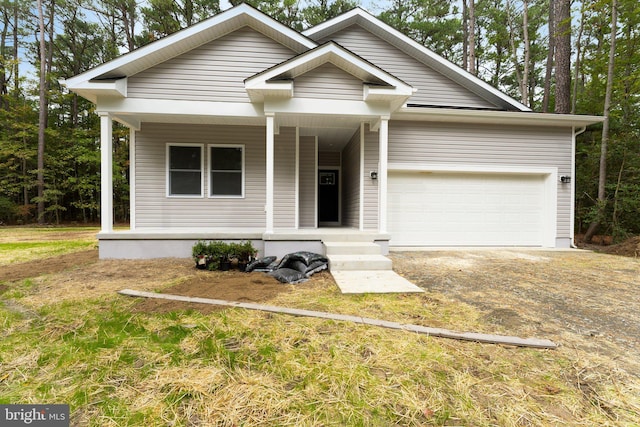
352	248
352	237
359	262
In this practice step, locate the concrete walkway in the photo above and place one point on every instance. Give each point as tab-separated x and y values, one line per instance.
373	281
360	268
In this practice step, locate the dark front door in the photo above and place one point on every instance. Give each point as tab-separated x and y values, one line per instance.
328	197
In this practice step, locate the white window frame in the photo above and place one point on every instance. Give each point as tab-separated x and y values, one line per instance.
209	171
168	171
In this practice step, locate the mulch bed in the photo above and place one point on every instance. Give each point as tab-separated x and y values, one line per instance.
229	286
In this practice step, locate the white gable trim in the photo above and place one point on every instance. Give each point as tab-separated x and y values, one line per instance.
366	20
391	89
190	38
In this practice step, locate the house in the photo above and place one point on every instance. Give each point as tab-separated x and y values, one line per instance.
244	129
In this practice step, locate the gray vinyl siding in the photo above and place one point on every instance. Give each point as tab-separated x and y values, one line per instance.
371	163
155	210
498	145
307	182
328	82
329	158
284	203
212	72
351	182
433	88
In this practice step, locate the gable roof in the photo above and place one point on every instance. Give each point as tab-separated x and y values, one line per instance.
379	84
191	37
359	16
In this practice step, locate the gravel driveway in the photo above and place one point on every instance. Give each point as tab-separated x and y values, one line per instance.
579	299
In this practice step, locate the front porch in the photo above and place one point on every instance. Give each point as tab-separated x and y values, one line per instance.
163	243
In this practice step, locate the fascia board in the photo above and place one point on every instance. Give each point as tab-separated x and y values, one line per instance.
259	90
372	93
183	37
327	107
334	24
435	61
117	88
328	53
135	106
495	117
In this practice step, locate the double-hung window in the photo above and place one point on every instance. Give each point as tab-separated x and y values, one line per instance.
184	170
226	170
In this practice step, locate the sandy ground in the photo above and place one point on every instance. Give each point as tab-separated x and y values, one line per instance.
577	298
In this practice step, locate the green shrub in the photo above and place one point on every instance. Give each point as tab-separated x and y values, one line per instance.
218	251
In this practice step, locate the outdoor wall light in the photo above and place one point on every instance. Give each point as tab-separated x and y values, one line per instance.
373	174
565	179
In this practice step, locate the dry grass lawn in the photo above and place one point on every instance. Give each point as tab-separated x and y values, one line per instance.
67	337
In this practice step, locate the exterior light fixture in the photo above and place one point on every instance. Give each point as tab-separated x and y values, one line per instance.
373	174
565	179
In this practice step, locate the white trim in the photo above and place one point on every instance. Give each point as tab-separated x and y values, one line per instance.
493	116
336	55
446	167
270	141
167	164
191	37
334	107
133	106
383	145
92	90
361	207
364	18
132	179
242	172
106	172
297	183
550	222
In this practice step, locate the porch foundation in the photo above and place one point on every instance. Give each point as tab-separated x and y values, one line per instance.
161	244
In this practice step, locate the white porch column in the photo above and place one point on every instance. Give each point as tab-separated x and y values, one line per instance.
270	172
106	172
132	179
383	135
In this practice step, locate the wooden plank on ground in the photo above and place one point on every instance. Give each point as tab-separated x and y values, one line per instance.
436	332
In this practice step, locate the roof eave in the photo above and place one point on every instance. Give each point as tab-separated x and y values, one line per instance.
494	117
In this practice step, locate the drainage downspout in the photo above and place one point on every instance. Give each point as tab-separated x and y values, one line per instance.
573	185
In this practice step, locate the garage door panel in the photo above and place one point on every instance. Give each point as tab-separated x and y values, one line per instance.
442	209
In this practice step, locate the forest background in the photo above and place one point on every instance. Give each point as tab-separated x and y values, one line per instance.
552	55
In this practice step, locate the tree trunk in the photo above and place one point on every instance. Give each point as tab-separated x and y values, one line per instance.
512	43
602	178
550	56
16	73
465	35
563	56
3	67
42	119
472	37
527	46
576	72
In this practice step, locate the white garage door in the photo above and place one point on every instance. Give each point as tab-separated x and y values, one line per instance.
454	209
